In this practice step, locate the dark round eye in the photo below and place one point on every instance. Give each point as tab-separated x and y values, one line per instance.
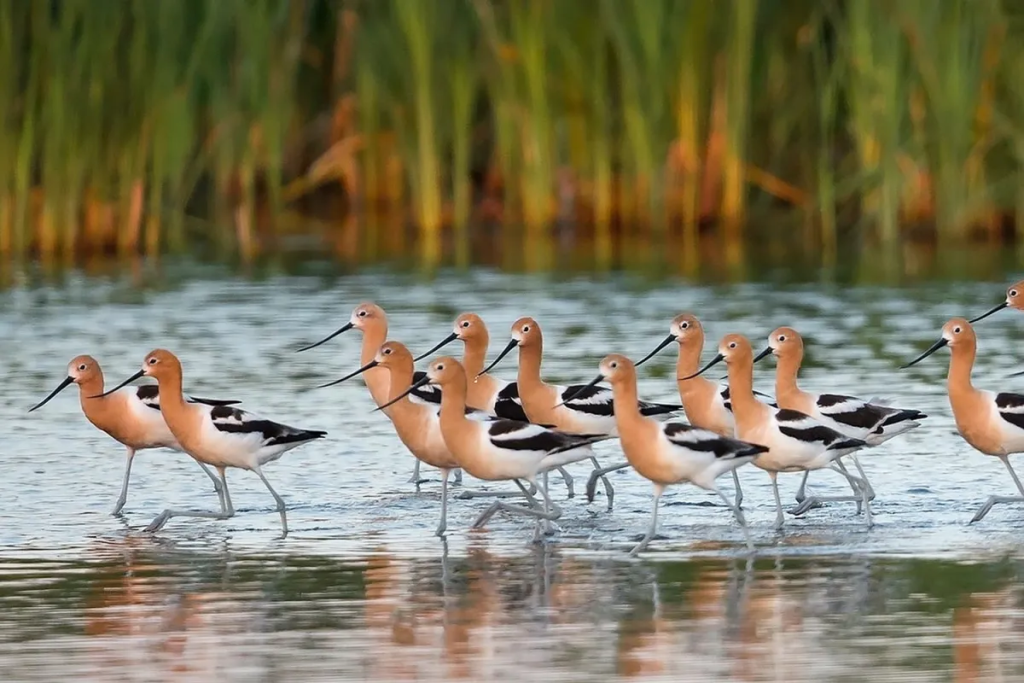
387	352
152	361
362	314
1013	293
526	328
82	366
440	367
683	325
613	364
782	337
956	330
732	345
465	323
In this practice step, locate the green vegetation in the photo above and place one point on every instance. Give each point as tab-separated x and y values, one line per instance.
666	122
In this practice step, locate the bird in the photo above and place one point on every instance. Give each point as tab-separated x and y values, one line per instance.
418	425
219	436
993	423
371	320
668	453
485	391
499	449
130	416
796	441
870	422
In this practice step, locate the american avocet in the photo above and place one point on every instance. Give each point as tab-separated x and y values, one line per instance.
796	441
417	424
705	403
670	452
131	416
486	392
371	320
870	422
499	449
992	423
1014	299
220	436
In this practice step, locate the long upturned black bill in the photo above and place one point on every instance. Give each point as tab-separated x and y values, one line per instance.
60	387
344	328
714	361
664	342
931	349
371	364
123	384
444	342
994	310
512	343
396	399
764	353
579	390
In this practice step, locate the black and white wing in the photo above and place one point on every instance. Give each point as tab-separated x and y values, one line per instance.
704	441
428	393
862	418
1011	409
527	437
508	405
804	429
149	396
235	422
591	400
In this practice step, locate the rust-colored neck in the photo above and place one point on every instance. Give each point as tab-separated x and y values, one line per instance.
474	355
786	370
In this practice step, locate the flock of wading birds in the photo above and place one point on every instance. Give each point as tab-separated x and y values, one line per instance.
456	416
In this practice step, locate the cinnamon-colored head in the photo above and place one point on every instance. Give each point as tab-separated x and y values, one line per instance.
161	364
445	370
393	354
785	342
526	331
686	328
470	326
367	314
84	369
958	332
1015	295
735	348
617	368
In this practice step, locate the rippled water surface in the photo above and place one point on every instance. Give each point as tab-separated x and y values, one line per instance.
361	589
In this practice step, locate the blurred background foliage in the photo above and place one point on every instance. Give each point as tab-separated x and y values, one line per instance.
134	126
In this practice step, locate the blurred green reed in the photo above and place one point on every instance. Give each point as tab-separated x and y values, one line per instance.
612	123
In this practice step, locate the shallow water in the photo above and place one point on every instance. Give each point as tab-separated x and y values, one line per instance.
362	589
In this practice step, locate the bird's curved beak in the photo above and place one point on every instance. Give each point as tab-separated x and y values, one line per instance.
60	387
512	343
444	342
371	364
931	349
344	328
664	342
137	375
714	361
396	399
766	352
996	309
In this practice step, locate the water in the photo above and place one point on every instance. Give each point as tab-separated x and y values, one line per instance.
361	589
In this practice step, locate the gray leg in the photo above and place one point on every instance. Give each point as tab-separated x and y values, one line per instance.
653	527
551	511
536	511
466	495
863	477
801	492
858	485
415	478
812	502
123	498
216	482
277	498
458	477
996	500
739	517
568	481
227	510
608	489
739	489
780	520
443	524
599	474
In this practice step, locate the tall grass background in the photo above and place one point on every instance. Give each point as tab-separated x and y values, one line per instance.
133	126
